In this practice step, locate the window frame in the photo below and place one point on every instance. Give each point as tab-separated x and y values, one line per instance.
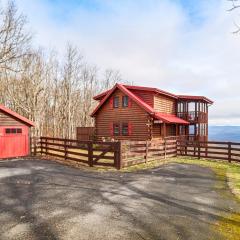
116	100
116	125
13	131
123	101
124	126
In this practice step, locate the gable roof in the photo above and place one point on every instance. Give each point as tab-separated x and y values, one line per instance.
166	118
130	87
157	91
16	115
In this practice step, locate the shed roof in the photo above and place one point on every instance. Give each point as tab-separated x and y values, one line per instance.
16	115
170	118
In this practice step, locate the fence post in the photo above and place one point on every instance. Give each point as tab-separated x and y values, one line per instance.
118	155
65	149
46	146
41	145
146	156
199	150
165	149
90	154
229	152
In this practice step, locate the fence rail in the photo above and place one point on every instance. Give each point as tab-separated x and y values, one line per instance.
88	152
127	153
229	151
136	152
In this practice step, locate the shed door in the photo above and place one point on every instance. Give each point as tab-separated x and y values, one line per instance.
13	141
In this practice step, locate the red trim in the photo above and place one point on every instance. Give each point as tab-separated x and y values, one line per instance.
170	118
201	98
16	115
111	102
111	129
129	129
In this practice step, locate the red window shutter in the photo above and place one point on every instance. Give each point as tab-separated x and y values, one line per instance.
111	129
111	102
129	129
130	102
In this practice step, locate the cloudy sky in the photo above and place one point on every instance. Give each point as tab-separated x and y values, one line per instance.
183	46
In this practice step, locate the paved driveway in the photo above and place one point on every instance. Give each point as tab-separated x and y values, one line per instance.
46	200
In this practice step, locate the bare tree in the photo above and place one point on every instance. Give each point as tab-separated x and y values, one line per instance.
235	6
14	39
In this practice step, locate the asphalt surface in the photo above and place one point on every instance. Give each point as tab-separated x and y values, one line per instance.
45	200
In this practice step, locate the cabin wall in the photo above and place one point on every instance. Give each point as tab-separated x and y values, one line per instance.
147	97
165	104
157	131
6	120
107	115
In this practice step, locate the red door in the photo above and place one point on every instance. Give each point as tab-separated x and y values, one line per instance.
13	141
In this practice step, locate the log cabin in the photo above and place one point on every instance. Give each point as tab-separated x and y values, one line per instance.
143	113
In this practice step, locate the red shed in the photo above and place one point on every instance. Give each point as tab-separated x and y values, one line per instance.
14	134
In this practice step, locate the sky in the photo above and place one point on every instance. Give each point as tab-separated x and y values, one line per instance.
182	46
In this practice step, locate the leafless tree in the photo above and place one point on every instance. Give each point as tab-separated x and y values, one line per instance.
56	95
235	6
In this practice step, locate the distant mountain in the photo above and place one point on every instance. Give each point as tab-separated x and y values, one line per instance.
224	133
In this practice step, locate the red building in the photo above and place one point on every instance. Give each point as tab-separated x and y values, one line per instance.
142	113
14	134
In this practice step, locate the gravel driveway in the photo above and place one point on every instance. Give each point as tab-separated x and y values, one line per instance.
45	200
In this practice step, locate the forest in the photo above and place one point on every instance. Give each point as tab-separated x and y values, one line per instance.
53	91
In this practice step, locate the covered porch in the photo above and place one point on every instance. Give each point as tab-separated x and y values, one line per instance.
165	125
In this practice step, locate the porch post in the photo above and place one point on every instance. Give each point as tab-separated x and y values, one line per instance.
164	130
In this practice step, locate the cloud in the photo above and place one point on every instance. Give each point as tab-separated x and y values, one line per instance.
170	44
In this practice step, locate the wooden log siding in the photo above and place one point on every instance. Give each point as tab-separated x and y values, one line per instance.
164	104
133	114
147	97
6	120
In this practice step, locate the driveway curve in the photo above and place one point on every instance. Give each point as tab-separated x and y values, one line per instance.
42	200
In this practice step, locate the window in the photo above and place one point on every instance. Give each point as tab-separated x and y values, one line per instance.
125	129
13	130
116	129
116	102
125	101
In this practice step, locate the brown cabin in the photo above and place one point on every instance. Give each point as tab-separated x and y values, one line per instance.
142	113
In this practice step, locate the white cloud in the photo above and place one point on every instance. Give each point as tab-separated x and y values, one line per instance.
153	43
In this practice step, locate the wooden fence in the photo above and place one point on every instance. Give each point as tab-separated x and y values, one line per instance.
87	152
127	153
229	151
114	154
136	152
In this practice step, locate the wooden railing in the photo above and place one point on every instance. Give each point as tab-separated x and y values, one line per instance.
229	151
86	152
193	116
